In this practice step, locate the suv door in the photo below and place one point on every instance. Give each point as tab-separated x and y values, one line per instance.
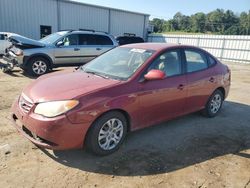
164	99
69	52
93	45
201	80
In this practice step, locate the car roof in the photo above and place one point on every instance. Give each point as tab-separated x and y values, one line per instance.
91	32
155	46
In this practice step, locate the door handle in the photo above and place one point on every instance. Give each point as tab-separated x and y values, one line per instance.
98	49
211	79
76	49
180	87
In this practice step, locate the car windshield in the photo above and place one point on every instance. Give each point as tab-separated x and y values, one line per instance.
50	39
119	63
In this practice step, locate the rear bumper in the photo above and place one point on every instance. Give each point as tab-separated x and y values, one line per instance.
51	133
227	88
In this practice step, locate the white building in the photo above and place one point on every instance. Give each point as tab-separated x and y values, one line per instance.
36	18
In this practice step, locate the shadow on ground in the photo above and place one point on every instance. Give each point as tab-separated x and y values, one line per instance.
171	145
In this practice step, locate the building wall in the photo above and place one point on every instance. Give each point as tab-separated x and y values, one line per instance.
225	47
122	22
25	17
76	16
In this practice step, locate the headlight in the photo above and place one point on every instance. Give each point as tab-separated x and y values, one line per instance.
55	108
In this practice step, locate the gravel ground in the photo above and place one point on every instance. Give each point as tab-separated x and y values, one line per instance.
190	151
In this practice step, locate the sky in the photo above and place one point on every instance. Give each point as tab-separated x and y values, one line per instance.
166	9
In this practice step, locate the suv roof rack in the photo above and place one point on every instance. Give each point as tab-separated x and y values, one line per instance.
69	30
103	32
92	30
129	34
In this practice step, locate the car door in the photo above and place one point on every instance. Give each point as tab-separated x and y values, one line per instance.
69	51
93	45
164	99
201	79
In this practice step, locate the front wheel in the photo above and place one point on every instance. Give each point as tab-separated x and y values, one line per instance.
38	66
107	133
214	104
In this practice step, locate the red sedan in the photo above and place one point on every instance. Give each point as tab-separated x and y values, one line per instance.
128	88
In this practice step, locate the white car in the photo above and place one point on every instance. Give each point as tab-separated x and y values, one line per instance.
4	43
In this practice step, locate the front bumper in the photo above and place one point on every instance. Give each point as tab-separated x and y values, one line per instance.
9	61
52	133
13	60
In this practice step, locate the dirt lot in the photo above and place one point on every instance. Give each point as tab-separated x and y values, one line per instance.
191	151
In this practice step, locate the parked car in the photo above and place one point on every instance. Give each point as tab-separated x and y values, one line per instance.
126	89
129	39
4	43
65	48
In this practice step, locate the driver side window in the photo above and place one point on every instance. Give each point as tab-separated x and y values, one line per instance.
70	40
168	62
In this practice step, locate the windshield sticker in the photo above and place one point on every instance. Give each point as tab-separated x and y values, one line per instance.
138	50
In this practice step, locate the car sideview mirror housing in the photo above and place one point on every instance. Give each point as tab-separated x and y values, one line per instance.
155	75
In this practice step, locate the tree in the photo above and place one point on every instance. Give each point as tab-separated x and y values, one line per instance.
198	22
217	21
158	25
244	23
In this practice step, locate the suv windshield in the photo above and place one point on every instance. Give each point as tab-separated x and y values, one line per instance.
50	39
119	63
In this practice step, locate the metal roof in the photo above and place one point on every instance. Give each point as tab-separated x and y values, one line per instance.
103	7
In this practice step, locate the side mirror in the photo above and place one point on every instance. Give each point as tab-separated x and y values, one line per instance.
155	75
60	43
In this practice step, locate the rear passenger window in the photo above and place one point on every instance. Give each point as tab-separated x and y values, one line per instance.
211	61
103	40
195	61
87	39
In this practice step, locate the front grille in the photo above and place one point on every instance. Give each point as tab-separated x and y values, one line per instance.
25	103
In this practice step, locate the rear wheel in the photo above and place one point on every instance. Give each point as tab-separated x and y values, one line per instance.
107	133
214	104
38	66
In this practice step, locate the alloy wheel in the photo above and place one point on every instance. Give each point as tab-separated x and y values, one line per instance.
110	134
39	67
215	103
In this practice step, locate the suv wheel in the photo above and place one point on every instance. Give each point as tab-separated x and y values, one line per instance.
38	66
107	133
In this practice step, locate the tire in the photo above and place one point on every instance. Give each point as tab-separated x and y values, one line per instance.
101	136
214	104
37	66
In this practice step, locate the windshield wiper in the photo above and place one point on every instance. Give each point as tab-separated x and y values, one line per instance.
97	74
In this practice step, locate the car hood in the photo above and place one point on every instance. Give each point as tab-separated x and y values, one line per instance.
21	41
65	85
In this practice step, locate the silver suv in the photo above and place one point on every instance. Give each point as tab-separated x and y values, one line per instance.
64	48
